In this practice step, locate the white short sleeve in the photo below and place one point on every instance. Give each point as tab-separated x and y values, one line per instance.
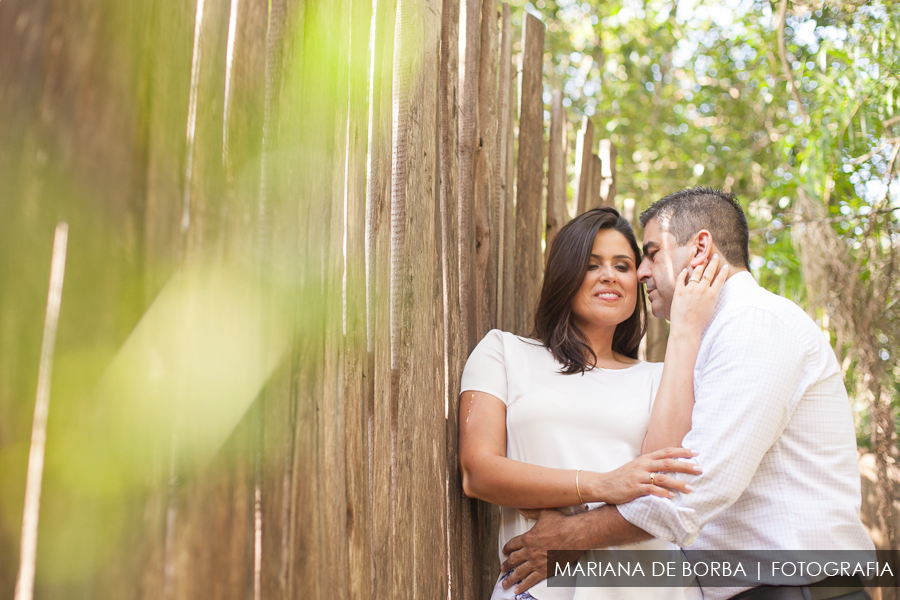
655	378
486	368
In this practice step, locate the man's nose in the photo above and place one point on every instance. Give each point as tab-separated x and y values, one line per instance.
643	271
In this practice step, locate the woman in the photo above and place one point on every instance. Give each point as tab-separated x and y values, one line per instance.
562	419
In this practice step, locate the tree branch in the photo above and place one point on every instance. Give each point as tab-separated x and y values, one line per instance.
869	155
838	219
782	17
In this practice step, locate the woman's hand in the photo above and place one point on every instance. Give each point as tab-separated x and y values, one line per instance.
633	480
695	298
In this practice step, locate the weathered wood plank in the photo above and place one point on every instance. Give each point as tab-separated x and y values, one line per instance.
583	163
529	180
242	128
356	418
378	253
505	174
192	560
333	33
509	227
425	362
408	57
607	172
458	541
557	213
596	179
468	128
486	163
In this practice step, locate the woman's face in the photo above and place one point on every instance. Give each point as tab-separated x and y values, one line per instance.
609	291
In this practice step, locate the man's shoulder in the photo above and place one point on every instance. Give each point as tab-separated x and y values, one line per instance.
760	306
759	320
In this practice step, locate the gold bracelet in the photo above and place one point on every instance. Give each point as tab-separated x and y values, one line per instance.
577	489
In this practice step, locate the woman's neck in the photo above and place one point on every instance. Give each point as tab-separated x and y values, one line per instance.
600	340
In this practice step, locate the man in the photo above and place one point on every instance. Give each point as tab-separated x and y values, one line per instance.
771	421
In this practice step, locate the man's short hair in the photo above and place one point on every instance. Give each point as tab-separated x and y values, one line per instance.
686	212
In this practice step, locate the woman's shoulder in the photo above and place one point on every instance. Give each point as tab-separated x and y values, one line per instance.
499	337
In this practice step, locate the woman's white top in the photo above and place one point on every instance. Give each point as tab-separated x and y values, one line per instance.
594	421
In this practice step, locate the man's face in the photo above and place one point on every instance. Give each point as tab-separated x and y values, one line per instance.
663	261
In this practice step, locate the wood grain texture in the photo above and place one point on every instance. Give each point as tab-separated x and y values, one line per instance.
458	541
583	164
596	180
468	129
509	226
359	557
607	153
529	179
557	212
505	175
486	176
287	427
408	51
332	37
378	253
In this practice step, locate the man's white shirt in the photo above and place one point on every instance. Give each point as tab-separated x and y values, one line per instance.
774	429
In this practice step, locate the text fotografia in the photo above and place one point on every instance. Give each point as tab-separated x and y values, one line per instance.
725	569
745	568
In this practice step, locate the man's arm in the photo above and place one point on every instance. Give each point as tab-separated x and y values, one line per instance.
526	554
752	374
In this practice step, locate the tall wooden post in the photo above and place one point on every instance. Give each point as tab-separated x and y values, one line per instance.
557	213
607	173
529	182
583	164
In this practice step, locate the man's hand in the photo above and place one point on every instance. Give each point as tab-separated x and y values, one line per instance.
526	554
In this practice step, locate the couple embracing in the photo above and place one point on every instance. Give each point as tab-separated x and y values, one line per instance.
742	440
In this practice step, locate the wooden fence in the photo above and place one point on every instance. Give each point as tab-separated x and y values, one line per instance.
385	157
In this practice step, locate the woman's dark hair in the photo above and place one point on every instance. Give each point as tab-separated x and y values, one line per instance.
566	267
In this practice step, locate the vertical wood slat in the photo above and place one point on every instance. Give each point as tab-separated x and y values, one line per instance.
458	541
407	45
332	451
205	171
242	129
595	181
378	251
607	155
285	427
359	555
420	560
583	164
486	162
468	128
504	172
470	40
486	244
197	503
530	174
170	83
428	375
307	229
509	227
556	171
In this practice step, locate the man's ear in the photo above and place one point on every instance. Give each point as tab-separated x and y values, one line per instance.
702	248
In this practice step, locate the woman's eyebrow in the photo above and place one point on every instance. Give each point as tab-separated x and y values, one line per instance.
625	256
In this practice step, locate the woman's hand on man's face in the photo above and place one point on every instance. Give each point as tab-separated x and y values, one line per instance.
696	296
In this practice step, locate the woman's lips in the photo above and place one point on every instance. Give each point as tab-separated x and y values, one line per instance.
608	295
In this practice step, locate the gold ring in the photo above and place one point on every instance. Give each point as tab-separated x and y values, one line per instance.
652	478
707	278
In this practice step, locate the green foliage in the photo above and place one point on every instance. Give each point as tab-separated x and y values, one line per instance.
698	95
